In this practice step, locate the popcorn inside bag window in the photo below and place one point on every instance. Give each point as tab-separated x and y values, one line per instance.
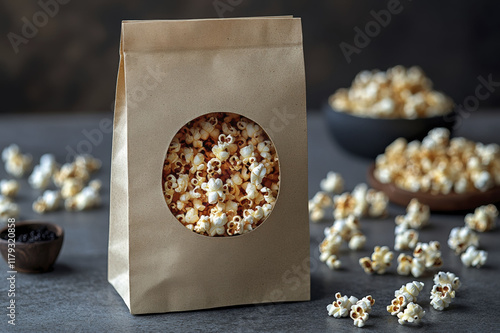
221	175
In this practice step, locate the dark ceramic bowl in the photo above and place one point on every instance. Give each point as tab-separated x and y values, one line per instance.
368	137
36	257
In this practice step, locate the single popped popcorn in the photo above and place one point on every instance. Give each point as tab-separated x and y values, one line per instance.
377	203
49	201
9	188
360	202
43	172
407	264
443	278
405	239
8	209
430	253
417	215
329	246
318	204
333	262
441	296
341	306
398	304
344	205
473	257
413	313
359	311
461	238
483	218
71	187
16	163
333	183
410	290
213	189
379	262
357	242
86	199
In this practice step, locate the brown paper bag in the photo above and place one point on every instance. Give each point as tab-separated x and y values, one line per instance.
170	73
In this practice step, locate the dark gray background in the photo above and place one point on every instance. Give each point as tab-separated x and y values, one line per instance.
71	63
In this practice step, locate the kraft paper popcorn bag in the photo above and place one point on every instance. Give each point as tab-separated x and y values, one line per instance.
209	165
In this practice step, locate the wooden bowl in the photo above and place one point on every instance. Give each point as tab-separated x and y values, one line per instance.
36	257
436	202
368	137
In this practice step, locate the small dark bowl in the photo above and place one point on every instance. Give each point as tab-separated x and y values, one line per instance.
368	137
36	257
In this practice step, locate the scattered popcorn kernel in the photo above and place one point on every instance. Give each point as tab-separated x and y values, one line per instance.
221	176
344	205
417	215
359	314
9	188
49	201
39	178
440	165
341	306
43	172
407	264
379	262
461	238
357	242
88	163
360	202
342	230
443	278
483	218
359	193
8	209
397	305
333	183
441	296
71	187
333	262
330	245
68	171
87	198
430	253
413	313
366	303
318	204
410	290
378	202
473	257
367	265
398	92
406	239
16	163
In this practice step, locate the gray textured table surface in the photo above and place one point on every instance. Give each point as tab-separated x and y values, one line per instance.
76	296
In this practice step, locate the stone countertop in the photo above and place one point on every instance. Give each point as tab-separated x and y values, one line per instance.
76	296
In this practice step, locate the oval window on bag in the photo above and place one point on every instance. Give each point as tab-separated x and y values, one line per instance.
221	175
